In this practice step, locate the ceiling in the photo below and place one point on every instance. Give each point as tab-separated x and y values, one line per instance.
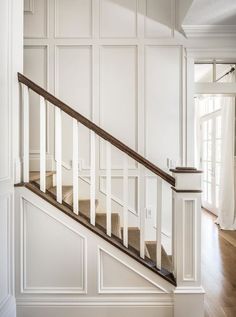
210	16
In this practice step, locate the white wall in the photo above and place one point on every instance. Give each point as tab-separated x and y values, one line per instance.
63	269
111	60
11	61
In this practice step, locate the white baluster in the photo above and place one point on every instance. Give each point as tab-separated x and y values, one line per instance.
108	187
158	222
142	209
42	144
125	202
58	147
75	168
92	178
25	94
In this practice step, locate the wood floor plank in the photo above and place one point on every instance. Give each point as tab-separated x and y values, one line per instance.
218	269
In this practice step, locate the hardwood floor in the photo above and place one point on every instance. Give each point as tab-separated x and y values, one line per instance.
218	270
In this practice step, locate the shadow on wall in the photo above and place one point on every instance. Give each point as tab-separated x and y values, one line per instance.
158	13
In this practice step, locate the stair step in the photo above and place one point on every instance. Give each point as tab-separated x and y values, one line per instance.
100	220
165	259
66	191
134	238
115	222
84	208
35	177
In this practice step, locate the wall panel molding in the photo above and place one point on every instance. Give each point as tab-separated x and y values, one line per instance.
29	6
158	27
33	19
103	289
44	81
24	288
5	248
70	19
115	23
189	218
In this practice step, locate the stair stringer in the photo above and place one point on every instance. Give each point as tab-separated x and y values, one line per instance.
67	241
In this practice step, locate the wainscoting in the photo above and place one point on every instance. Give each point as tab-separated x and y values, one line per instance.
62	267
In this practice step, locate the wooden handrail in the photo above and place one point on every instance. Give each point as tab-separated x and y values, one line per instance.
92	126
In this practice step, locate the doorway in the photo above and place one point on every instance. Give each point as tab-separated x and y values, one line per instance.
208	107
210	151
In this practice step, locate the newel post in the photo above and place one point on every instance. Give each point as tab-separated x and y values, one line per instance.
189	294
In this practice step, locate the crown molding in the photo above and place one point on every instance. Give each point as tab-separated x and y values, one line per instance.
209	30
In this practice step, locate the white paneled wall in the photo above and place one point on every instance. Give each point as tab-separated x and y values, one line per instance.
117	63
70	271
10	63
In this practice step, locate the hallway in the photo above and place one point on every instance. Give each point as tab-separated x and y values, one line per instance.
218	270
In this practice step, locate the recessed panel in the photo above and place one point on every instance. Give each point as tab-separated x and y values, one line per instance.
117	276
118	97
73	18
162	90
4	245
118	18
35	68
188	238
74	86
53	253
158	20
35	19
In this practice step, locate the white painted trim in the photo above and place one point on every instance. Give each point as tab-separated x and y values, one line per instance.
75	167
172	28
194	236
30	7
209	30
42	144
10	260
46	25
117	37
125	202
124	290
56	36
189	290
47	290
108	188
97	301
215	88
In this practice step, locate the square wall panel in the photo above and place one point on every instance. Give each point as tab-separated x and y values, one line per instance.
36	19
162	95
158	20
35	68
73	18
118	96
118	18
74	86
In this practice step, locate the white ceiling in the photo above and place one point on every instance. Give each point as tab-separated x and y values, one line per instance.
210	12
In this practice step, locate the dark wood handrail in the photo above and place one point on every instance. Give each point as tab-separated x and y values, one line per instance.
92	126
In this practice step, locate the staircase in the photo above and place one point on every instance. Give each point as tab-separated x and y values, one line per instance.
179	268
116	228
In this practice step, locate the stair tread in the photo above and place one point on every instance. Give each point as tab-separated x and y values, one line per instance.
66	190
97	230
165	259
84	209
35	176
